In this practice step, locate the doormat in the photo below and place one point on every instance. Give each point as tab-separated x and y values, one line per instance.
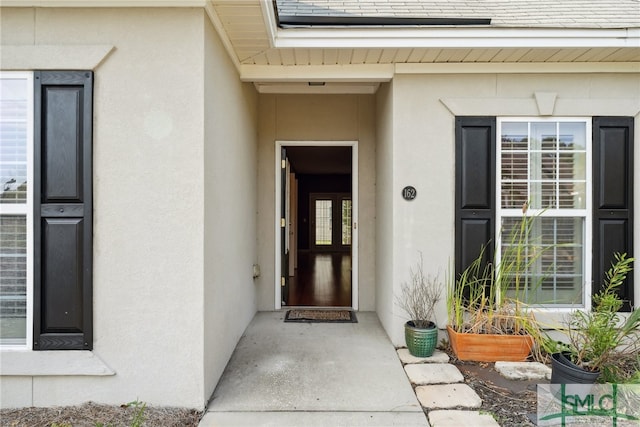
321	316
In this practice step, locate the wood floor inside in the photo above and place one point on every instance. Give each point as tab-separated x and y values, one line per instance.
322	280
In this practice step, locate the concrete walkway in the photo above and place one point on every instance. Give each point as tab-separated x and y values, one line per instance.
345	374
314	374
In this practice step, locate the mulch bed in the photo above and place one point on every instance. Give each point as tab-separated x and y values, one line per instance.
93	415
510	402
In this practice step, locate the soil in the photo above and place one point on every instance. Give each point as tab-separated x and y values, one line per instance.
510	402
94	415
514	403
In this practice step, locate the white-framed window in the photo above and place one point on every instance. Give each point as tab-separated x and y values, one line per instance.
546	163
16	209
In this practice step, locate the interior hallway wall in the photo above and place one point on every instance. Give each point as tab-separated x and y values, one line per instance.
320	118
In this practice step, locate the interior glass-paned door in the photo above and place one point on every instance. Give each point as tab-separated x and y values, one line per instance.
323	212
331	221
346	222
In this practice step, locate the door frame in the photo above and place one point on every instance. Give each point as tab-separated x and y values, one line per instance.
354	213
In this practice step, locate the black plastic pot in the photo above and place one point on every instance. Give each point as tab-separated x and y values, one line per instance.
564	371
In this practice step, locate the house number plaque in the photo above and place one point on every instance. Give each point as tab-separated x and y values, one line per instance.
409	193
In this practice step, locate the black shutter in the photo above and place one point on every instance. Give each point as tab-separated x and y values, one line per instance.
63	210
612	197
475	189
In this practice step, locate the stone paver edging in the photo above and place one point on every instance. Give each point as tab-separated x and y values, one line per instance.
448	396
523	370
461	418
433	373
437	357
439	388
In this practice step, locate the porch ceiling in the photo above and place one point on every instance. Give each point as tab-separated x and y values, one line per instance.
255	42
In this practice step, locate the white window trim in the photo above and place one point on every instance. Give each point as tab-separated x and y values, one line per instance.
25	209
586	213
21	360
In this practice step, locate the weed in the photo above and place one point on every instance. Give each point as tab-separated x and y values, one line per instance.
138	416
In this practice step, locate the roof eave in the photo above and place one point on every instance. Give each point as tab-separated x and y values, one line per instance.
373	21
455	37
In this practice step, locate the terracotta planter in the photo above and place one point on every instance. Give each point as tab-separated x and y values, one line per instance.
490	347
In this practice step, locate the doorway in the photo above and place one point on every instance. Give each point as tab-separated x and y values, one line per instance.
316	224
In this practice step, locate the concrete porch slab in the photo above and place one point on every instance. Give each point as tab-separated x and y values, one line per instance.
314	419
285	371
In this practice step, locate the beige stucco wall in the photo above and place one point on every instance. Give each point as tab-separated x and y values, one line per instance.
385	206
319	118
423	154
174	203
230	197
184	191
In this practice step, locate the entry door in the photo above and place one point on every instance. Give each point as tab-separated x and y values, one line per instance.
284	225
283	249
331	221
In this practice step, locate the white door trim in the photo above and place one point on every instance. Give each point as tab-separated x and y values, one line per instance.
354	213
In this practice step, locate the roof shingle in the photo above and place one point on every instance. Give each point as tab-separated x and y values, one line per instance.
503	13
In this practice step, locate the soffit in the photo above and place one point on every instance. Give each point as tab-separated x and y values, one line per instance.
521	31
249	28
